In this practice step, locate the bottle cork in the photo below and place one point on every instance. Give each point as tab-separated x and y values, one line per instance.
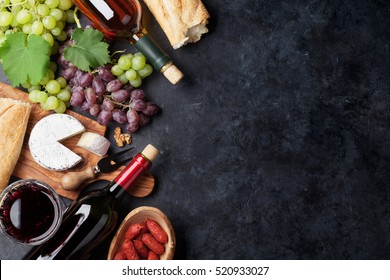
150	152
172	73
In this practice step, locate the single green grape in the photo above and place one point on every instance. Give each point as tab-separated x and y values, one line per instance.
131	74
53	87
60	25
146	71
52	102
37	28
139	54
23	17
62	82
116	70
49	22
55	31
64	95
6	18
34	87
57	14
65	5
129	55
137	82
138	62
62	36
123	79
70	16
27	28
124	62
48	38
45	107
61	108
43	10
52	3
42	97
33	96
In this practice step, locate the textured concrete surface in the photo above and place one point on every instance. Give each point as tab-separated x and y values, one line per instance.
276	145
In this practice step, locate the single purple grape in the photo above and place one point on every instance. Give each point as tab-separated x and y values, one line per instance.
105	74
108	105
113	85
98	86
85	106
94	110
120	95
151	109
104	117
138	104
69	72
90	95
132	127
137	94
77	97
132	116
86	80
119	116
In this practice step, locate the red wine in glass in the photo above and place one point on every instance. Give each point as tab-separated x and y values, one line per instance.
30	212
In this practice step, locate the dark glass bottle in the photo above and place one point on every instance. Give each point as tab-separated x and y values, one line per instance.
92	217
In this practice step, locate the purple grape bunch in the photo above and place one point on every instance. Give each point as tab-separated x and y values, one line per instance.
102	95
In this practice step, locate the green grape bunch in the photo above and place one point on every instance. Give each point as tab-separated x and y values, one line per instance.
43	18
46	19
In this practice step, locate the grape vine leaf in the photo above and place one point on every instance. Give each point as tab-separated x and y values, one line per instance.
25	58
88	50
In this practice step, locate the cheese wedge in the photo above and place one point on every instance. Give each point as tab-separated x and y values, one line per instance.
14	117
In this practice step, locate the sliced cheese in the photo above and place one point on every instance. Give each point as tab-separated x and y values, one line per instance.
94	143
44	141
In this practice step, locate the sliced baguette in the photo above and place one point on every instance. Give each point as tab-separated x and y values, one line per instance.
14	117
183	21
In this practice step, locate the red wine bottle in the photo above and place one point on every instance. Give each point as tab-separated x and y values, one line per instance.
92	217
122	19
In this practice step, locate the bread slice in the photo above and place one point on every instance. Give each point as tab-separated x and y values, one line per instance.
183	21
14	117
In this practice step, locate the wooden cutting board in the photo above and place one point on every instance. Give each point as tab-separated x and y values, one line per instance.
27	168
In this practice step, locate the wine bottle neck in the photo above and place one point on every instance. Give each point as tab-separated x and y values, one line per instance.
153	53
129	175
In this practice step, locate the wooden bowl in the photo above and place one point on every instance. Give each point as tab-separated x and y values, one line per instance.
139	215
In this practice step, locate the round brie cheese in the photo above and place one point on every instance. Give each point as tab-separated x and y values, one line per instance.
44	141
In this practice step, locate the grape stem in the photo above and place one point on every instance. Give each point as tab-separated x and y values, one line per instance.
124	106
76	18
14	4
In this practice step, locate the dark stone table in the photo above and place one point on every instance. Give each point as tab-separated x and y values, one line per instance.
276	145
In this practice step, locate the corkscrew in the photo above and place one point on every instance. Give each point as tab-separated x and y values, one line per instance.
73	180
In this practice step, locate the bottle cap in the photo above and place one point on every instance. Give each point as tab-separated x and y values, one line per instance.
172	73
150	152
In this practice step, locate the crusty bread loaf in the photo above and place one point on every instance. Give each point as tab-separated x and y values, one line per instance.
183	21
14	117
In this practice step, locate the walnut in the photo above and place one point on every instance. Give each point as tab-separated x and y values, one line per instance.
121	138
127	138
117	137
